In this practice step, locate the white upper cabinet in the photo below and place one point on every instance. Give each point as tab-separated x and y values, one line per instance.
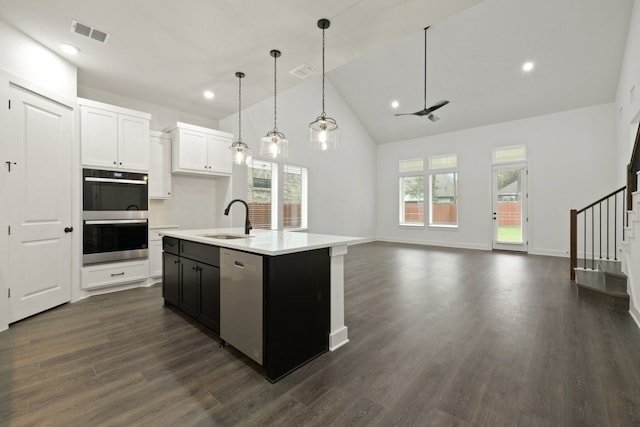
113	137
159	165
199	150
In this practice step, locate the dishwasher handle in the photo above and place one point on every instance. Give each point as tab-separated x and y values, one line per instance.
238	264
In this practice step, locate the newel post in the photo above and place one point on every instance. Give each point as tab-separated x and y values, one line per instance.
573	245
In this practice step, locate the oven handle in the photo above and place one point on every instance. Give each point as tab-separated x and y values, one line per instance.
116	181
115	221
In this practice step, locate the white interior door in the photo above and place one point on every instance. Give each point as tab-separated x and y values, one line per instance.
510	207
40	204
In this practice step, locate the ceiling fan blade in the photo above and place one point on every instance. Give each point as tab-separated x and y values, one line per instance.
417	113
437	105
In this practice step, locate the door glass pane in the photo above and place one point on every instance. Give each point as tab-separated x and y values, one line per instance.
509	214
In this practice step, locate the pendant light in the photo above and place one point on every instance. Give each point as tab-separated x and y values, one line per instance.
323	132
274	144
241	151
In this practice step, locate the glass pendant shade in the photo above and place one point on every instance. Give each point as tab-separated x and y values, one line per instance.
323	132
274	144
241	151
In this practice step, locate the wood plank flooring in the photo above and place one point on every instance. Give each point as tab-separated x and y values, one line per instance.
437	337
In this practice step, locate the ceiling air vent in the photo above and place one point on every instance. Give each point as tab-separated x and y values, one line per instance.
88	31
303	71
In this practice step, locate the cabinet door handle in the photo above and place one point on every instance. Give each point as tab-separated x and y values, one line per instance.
176	261
68	229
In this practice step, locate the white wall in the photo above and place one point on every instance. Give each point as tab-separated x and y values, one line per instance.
27	63
196	202
571	163
628	108
628	104
45	71
342	193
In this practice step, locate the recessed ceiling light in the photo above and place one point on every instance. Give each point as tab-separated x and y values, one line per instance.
208	94
68	49
527	66
395	104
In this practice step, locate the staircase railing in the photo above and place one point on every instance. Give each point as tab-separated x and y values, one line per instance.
602	225
632	170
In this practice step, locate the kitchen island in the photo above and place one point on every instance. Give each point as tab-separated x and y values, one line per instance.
276	296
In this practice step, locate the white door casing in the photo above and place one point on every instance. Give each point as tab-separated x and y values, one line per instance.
40	203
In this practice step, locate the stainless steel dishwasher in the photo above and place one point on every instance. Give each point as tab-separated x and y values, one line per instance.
241	302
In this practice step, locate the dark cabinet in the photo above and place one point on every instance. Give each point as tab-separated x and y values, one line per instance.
190	289
210	297
191	280
171	278
295	299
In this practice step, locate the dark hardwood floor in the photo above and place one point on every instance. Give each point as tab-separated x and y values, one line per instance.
438	337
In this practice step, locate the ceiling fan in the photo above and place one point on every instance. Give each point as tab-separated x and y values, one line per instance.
427	111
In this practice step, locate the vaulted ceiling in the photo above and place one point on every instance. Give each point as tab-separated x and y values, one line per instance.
168	52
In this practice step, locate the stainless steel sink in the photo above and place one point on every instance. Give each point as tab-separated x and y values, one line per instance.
225	236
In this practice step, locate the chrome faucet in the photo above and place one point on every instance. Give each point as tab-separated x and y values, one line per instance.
247	223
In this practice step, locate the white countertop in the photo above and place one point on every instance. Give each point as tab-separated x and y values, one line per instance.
264	242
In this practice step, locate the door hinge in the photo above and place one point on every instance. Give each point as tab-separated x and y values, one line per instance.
9	104
9	230
9	293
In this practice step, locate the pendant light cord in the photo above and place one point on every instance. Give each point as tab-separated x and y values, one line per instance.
425	68
275	93
239	108
323	42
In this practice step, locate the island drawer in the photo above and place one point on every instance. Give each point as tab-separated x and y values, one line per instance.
206	254
171	245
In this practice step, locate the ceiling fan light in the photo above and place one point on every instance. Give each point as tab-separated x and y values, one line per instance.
324	134
433	117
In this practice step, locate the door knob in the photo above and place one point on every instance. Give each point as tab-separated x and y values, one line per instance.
68	229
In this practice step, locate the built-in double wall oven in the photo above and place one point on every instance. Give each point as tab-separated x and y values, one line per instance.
115	216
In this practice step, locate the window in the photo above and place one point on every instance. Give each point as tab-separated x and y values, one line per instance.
262	200
514	153
443	194
411	192
264	193
295	197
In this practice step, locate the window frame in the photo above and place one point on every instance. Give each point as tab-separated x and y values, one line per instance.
274	191
450	168
304	197
410	172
